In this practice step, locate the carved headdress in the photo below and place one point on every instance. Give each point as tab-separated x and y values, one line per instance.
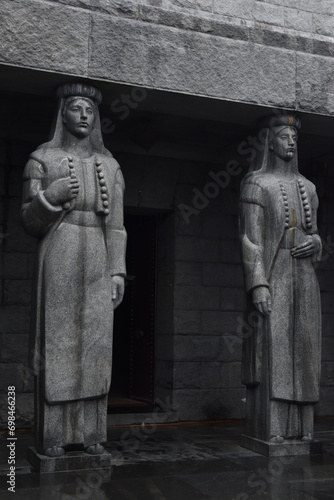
66	93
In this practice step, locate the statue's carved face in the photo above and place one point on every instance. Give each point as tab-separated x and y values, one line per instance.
79	117
284	143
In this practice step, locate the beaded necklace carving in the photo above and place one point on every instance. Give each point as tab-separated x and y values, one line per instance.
305	201
102	183
103	188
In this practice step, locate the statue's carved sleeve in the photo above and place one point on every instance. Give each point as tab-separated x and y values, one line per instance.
252	231
116	234
37	213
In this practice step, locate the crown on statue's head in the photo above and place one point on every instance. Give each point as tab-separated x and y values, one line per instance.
79	89
280	120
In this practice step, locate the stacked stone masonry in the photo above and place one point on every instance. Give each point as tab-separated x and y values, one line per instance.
16	265
217	49
308	16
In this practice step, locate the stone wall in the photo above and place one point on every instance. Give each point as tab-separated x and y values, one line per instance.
241	50
310	16
17	257
208	298
322	174
315	17
20	133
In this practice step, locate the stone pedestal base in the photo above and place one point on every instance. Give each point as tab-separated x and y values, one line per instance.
69	462
287	448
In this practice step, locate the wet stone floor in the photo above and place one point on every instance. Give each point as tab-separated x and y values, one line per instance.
180	462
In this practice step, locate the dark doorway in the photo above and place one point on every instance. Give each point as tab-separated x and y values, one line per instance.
132	386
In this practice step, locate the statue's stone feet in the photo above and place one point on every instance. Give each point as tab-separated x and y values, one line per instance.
277	439
307	437
95	449
55	451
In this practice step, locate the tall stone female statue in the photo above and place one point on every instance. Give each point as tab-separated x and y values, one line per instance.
73	202
281	356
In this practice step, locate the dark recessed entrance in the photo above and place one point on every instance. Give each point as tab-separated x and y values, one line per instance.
132	386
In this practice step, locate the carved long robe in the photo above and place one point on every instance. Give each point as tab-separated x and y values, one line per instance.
284	349
79	251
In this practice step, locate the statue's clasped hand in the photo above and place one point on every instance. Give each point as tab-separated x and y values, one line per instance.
117	290
62	191
306	249
262	300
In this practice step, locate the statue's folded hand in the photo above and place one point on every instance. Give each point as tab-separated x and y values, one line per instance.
306	249
62	190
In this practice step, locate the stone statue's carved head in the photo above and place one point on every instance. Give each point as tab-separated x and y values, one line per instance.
78	114
278	134
79	107
283	135
284	142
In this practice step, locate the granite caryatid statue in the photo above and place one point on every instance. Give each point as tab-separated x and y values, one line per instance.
280	243
73	202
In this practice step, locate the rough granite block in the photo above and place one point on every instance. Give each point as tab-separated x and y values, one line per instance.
328	348
17	240
14	349
206	404
220	322
197	348
268	14
230	348
69	462
188	273
232	299
187	322
327	374
16	374
197	375
125	50
197	297
214	227
325	407
13	319
234	8
288	448
320	6
14	265
315	83
328	325
17	292
55	36
123	8
199	5
227	275
298	20
189	248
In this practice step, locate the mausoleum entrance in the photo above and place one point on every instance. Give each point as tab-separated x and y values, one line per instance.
176	336
132	386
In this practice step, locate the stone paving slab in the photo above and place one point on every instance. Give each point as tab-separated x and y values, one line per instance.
181	462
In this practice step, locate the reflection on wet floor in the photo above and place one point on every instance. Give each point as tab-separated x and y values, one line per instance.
181	462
